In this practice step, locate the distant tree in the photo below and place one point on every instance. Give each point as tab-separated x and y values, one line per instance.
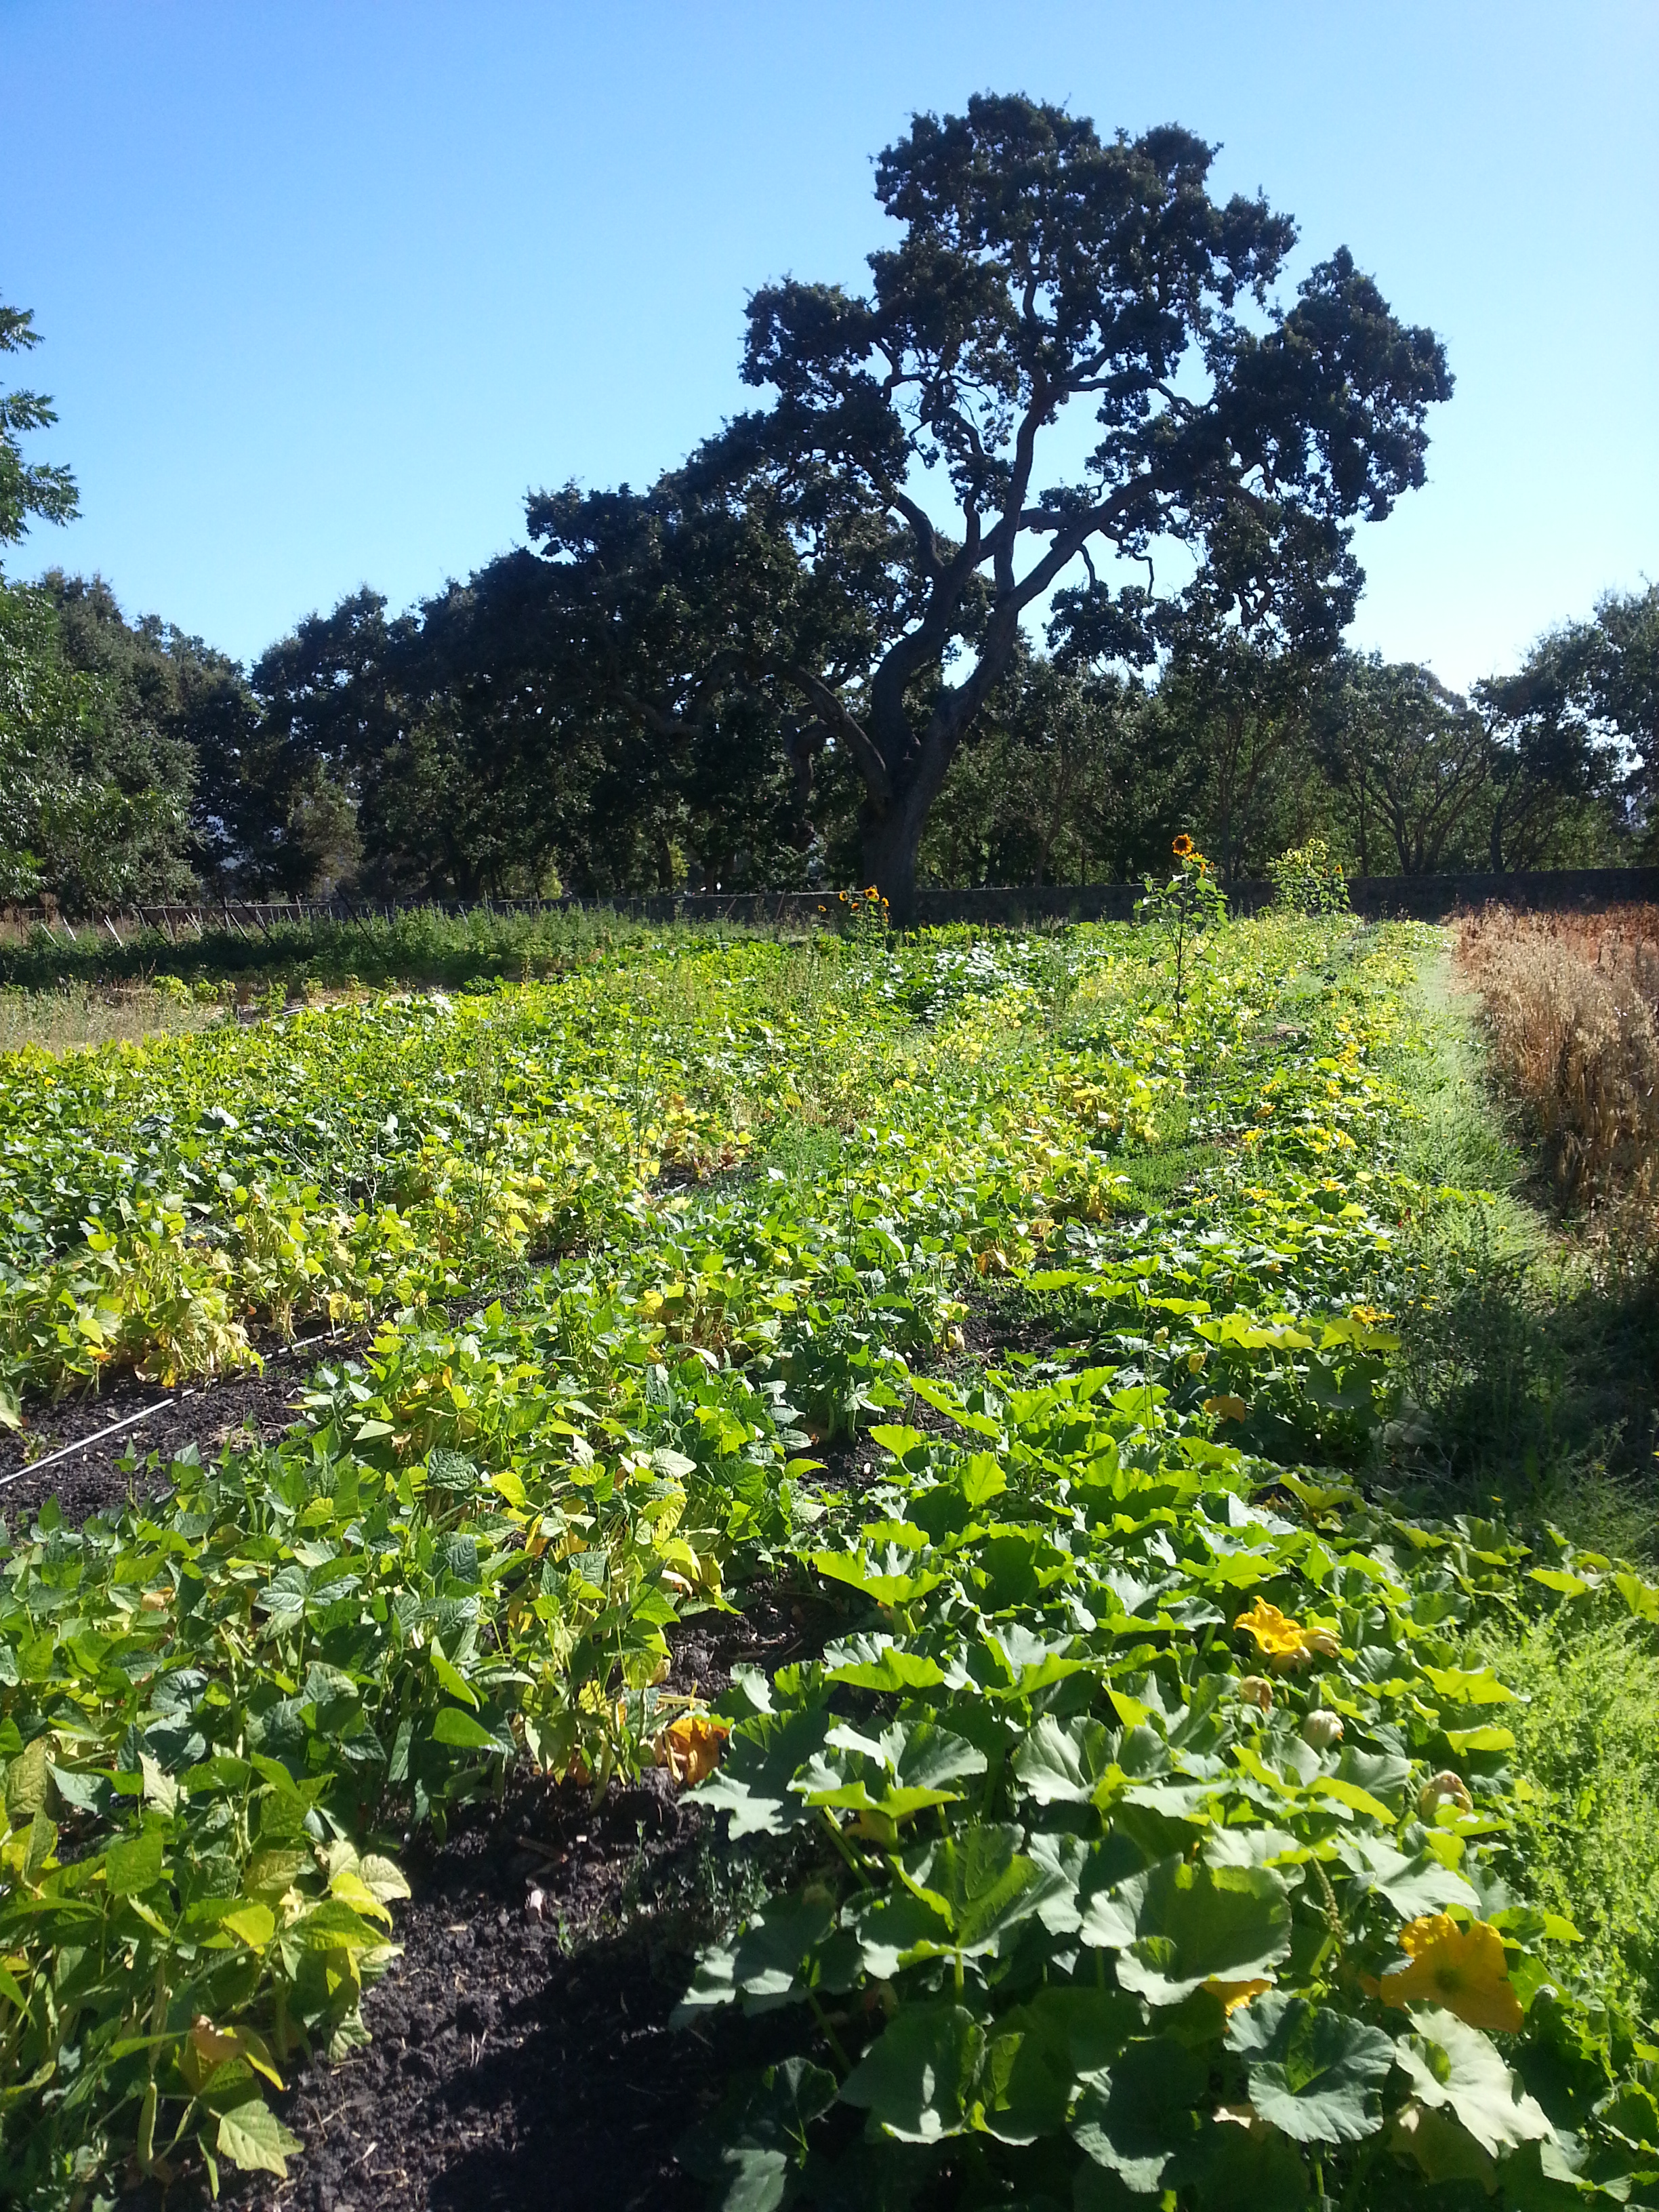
1576	729
1622	680
1041	265
1551	788
1413	761
145	673
96	762
663	614
282	789
1035	792
44	707
480	791
1238	710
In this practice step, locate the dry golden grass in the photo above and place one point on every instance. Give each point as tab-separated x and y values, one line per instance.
1571	1004
62	1021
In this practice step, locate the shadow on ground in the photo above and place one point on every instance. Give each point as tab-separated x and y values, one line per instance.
1536	1378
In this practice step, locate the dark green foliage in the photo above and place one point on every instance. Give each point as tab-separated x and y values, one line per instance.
98	768
1579	719
28	488
1038	265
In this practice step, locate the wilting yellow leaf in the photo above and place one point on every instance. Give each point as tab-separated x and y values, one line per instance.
213	2044
349	1885
210	2046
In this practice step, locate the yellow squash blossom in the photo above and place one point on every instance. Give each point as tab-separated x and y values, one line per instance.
1463	1969
1284	1642
1443	1789
689	1747
1234	1994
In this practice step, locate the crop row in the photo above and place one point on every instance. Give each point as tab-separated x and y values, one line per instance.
1111	1894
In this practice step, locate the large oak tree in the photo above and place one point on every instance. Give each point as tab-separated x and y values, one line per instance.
1041	265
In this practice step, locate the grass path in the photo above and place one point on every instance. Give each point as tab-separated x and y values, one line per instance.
1535	1353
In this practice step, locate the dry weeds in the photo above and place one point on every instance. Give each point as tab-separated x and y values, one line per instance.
1571	1005
62	1021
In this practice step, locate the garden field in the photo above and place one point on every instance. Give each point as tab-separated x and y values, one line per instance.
959	1571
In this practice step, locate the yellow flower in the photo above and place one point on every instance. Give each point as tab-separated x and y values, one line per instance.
1257	1690
1463	1969
1234	1994
689	1747
1284	1642
1182	847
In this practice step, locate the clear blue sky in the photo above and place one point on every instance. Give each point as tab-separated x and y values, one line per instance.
326	287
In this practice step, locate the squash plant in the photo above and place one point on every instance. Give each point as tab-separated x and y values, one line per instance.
1164	1849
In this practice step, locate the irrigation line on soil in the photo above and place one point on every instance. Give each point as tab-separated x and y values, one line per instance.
132	1420
33	1466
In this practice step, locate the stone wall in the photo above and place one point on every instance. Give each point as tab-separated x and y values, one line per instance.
1422	898
1426	899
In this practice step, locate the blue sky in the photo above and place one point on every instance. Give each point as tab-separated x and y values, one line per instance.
326	287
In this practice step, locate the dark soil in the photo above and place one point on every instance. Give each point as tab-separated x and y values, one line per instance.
994	1329
522	2055
93	1481
999	1327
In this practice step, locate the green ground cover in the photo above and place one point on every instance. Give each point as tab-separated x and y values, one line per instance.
1153	1828
413	945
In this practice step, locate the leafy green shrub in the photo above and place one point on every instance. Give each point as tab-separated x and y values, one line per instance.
1307	879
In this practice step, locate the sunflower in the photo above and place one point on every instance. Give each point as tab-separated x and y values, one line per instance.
1182	847
1283	1642
1464	1969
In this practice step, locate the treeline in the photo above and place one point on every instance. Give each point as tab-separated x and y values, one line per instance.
811	654
430	756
